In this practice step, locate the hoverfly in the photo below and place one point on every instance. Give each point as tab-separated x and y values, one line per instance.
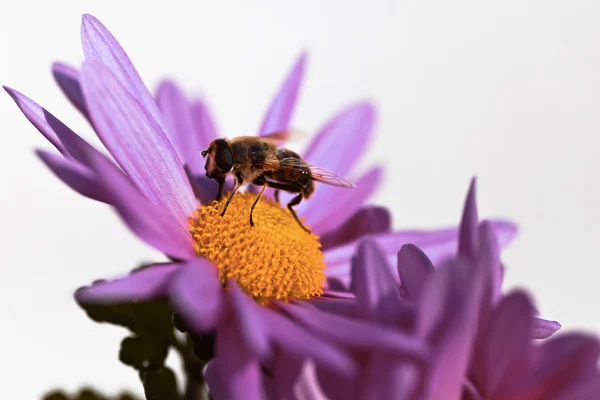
259	161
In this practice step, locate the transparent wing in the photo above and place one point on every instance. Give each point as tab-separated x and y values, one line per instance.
316	173
287	135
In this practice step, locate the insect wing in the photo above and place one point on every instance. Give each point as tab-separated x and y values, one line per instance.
286	135
318	174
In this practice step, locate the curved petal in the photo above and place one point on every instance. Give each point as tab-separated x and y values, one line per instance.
506	348
414	268
330	206
136	142
149	222
376	290
196	294
367	220
543	329
148	283
247	316
214	379
468	243
438	245
177	114
343	139
81	179
280	111
68	79
204	123
101	46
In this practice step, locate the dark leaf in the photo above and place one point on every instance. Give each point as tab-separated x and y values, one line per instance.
160	384
142	352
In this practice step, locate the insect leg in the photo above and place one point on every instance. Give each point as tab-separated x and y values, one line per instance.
276	195
294	202
221	182
255	202
235	189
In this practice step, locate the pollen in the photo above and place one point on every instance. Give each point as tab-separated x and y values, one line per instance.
274	259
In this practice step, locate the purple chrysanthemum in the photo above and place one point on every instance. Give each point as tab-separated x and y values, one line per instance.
156	188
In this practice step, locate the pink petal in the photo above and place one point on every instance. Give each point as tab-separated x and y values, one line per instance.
196	293
146	284
149	222
343	139
78	177
330	205
367	220
468	244
204	125
177	114
101	46
137	143
414	268
280	111
68	79
543	329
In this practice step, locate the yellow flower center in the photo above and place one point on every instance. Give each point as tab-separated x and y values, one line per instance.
274	259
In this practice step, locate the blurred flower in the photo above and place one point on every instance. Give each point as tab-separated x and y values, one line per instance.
155	188
482	340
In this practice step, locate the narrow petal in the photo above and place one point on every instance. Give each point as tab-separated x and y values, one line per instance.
506	352
215	383
204	123
136	142
149	222
196	293
365	221
282	106
376	289
489	261
588	389
543	329
342	140
468	243
38	117
81	179
438	245
251	327
68	79
148	283
357	334
330	205
101	46
291	338
414	268
177	114
242	371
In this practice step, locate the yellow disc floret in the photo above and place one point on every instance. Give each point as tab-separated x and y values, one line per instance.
274	259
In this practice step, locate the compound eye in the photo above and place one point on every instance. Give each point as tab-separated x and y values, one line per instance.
224	159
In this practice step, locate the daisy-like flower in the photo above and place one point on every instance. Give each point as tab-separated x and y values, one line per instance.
482	340
156	189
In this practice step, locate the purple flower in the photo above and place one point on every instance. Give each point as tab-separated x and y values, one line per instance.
156	189
482	340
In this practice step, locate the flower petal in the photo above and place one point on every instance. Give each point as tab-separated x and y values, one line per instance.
298	342
342	140
468	240
68	79
148	283
101	46
196	293
438	245
376	290
204	124
149	222
177	114
250	326
81	179
543	328
280	111
214	379
367	220
414	268
136	142
357	334
331	205
241	369
506	348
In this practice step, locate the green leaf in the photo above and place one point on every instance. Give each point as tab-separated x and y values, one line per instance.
142	352
160	384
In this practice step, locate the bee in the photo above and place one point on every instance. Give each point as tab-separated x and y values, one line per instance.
259	161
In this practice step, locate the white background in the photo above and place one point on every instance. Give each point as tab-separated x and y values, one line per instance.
507	91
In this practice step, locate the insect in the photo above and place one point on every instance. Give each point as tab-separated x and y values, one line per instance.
259	161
